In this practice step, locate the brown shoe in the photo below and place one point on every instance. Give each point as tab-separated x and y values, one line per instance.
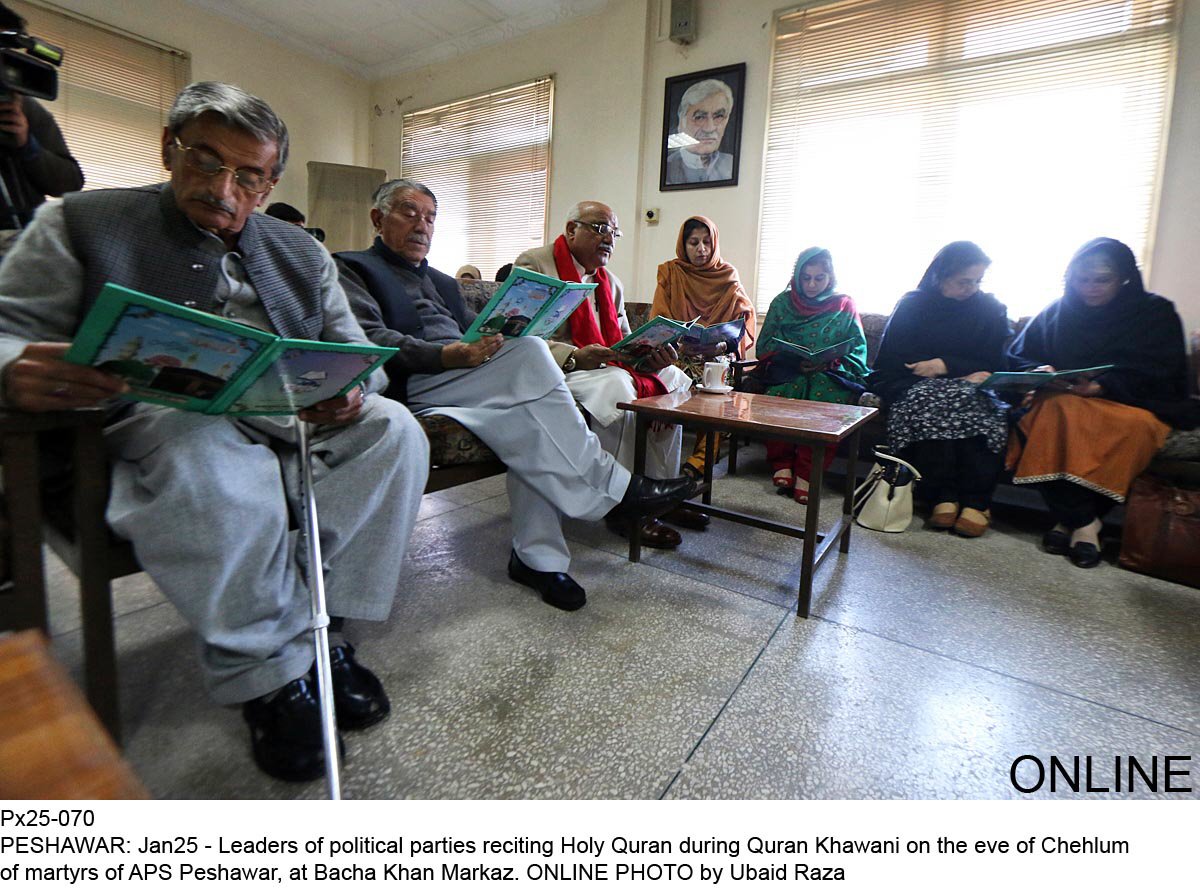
944	516
655	534
973	522
691	519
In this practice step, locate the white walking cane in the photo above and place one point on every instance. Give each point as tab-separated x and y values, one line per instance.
320	623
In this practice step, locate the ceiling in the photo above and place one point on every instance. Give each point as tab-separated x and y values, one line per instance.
379	38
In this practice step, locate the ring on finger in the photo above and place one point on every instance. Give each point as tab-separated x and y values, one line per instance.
60	390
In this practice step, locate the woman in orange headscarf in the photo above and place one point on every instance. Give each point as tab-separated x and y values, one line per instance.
698	283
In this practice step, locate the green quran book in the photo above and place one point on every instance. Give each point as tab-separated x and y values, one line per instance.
191	360
528	303
1040	379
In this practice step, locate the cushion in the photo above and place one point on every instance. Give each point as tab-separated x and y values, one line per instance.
476	293
1181	445
452	445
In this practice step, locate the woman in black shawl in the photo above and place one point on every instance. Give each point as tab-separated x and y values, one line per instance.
943	340
1083	444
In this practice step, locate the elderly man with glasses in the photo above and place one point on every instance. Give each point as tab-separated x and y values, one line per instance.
205	499
510	394
582	348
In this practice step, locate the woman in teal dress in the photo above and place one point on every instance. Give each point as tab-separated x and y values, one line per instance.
812	314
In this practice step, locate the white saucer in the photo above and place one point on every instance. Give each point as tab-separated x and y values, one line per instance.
722	389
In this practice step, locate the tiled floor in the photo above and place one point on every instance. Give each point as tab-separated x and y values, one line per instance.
929	664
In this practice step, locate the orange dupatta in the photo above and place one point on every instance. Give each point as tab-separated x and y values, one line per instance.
711	292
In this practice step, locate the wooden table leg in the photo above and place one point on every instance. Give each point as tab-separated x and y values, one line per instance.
710	449
641	428
95	591
812	521
848	498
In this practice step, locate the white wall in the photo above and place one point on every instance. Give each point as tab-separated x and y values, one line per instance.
609	71
1178	234
609	65
325	108
599	78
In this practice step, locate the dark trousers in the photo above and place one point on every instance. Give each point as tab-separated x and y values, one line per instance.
962	471
1074	505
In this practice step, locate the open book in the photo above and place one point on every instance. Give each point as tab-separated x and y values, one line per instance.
819	356
191	360
692	338
1040	379
528	304
709	341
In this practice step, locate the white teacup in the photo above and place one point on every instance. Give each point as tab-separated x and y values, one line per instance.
714	374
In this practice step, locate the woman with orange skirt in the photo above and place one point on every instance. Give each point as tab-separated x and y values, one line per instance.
1083	443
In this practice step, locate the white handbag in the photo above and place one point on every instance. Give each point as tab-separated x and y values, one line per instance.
884	502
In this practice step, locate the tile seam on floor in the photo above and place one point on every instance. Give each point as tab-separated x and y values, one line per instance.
1008	676
725	704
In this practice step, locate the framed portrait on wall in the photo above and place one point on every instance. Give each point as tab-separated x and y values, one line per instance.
702	128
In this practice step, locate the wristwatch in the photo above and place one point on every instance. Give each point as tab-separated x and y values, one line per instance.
569	363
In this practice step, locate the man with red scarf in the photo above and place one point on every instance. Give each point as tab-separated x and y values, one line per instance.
582	348
510	393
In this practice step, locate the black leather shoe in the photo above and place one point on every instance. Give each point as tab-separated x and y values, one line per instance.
692	519
653	496
557	589
1084	555
655	534
358	696
285	733
1056	543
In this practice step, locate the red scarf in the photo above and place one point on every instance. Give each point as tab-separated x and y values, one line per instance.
584	329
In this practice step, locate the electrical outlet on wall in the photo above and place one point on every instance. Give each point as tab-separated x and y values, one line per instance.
651	216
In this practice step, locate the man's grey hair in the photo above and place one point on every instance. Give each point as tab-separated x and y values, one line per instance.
700	91
237	108
576	210
382	198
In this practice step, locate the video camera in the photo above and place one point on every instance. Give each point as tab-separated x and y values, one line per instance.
28	65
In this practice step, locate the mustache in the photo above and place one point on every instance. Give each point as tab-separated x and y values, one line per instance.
214	202
418	238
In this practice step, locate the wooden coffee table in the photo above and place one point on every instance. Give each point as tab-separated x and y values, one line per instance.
822	426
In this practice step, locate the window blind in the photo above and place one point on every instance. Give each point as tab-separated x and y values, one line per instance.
1028	126
114	93
487	158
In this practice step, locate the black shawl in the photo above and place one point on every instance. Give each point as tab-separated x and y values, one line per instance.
1140	333
968	334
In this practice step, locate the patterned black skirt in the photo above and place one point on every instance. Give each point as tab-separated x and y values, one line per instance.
947	410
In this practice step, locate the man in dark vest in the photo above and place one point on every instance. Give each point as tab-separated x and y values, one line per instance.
511	394
205	499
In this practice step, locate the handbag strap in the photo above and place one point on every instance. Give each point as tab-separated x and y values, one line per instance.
874	475
899	461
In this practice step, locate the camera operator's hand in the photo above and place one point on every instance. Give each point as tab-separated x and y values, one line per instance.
13	121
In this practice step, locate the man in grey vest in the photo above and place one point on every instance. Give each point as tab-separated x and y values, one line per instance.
205	499
510	394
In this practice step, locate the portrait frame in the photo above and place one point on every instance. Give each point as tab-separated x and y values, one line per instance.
672	173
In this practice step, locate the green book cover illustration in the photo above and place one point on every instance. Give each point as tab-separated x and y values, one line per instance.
652	334
1040	379
195	361
528	303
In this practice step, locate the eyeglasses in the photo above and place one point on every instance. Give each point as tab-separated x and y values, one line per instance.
603	230
413	213
207	163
